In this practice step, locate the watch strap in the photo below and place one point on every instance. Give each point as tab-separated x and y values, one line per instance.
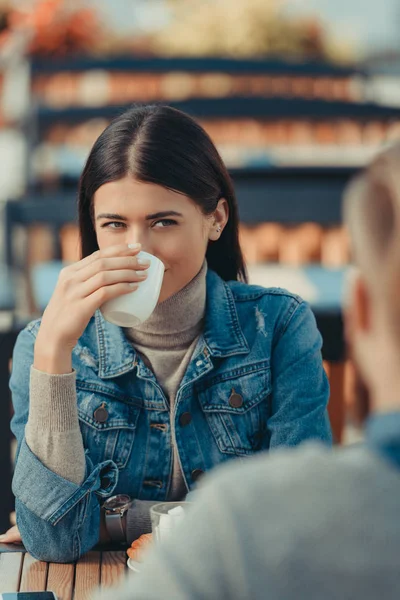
114	527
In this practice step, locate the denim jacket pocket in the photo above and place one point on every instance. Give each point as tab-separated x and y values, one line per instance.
236	405
108	426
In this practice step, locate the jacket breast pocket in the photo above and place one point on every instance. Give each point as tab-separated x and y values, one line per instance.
236	405
108	427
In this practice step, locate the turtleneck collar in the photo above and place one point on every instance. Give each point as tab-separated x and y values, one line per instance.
178	320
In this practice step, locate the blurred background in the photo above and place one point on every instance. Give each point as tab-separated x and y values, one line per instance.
296	94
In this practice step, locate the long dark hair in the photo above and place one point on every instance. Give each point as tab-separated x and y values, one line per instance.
162	145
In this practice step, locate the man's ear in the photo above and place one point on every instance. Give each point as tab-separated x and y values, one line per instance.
358	308
362	304
357	322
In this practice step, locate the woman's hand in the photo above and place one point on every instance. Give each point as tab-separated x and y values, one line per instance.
12	536
81	289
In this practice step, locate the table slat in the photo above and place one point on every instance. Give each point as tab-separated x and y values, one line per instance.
113	565
87	575
60	580
34	575
10	571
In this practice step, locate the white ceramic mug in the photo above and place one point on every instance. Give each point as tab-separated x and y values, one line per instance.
132	309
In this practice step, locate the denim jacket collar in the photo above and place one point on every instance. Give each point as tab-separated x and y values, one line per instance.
116	355
222	333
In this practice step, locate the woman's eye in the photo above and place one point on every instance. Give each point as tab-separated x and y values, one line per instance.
113	225
164	223
161	224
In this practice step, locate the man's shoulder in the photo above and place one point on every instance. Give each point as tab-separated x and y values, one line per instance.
284	477
293	505
305	522
281	466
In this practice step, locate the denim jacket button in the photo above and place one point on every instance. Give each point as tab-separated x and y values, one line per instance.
235	400
101	414
185	419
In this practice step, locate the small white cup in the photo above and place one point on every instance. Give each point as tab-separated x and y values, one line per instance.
165	516
132	309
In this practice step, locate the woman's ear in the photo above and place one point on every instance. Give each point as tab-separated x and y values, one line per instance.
218	220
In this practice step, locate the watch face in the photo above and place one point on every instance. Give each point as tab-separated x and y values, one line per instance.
117	502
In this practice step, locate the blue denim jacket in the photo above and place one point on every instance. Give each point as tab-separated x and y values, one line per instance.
255	382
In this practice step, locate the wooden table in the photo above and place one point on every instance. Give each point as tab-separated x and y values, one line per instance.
21	572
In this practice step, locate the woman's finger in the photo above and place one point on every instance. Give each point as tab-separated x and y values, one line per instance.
110	251
12	536
115	263
109	278
108	292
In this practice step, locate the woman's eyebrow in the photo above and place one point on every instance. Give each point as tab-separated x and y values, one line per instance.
111	216
159	215
163	215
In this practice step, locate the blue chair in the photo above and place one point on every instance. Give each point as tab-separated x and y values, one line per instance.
43	280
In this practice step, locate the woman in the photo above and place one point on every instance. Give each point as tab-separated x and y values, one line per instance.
220	370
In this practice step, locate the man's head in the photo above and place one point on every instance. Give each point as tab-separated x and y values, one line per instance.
372	214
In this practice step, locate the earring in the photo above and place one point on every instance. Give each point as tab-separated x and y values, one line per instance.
218	229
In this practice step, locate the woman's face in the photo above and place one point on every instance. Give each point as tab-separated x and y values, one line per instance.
167	224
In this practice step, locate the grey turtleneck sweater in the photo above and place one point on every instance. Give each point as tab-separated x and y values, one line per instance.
166	343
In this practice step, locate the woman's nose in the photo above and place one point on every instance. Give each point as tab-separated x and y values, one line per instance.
137	235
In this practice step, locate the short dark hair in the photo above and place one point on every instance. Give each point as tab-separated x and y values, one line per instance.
372	214
162	145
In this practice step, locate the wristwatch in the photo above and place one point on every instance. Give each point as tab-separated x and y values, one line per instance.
115	508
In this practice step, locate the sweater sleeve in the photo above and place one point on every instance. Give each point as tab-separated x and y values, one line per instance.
58	519
52	431
138	519
53	435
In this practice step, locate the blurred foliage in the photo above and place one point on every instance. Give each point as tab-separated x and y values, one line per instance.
53	27
240	28
4	20
237	28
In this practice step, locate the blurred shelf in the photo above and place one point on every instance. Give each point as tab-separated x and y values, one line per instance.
236	107
277	194
61	167
291	194
53	208
193	65
287	194
299	173
246	175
